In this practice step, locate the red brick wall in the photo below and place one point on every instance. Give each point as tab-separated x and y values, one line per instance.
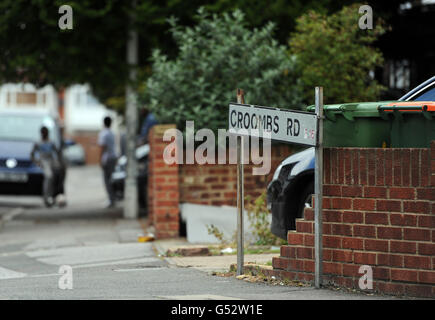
217	184
199	184
378	210
163	188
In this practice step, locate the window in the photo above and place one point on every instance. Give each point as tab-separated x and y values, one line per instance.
91	100
427	95
26	127
26	98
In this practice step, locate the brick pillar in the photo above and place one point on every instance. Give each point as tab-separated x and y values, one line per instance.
163	189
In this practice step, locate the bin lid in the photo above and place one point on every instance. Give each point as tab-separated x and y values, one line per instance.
409	106
354	109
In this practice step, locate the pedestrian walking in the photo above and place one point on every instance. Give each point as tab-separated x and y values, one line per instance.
106	141
49	159
60	176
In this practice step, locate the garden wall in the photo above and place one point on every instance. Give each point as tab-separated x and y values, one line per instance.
197	184
217	184
378	210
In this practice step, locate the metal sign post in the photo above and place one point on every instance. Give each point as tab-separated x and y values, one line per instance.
240	194
318	189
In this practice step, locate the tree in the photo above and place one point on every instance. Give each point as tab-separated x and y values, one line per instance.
331	51
216	56
282	13
34	49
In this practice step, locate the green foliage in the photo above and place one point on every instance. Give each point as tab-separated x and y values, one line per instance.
215	57
281	12
34	49
258	216
333	52
218	234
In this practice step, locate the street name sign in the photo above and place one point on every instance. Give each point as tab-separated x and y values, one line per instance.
283	125
288	126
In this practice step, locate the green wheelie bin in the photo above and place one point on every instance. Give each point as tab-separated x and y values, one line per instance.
412	123
358	124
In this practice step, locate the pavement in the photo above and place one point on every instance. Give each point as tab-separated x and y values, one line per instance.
106	259
215	263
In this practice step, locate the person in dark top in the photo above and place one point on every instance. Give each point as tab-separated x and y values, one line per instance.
149	120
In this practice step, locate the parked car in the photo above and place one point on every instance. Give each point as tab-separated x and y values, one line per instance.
292	186
74	153
119	175
19	130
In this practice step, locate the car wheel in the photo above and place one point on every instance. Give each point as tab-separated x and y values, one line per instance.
306	199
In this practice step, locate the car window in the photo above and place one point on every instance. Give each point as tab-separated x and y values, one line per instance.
21	127
427	95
